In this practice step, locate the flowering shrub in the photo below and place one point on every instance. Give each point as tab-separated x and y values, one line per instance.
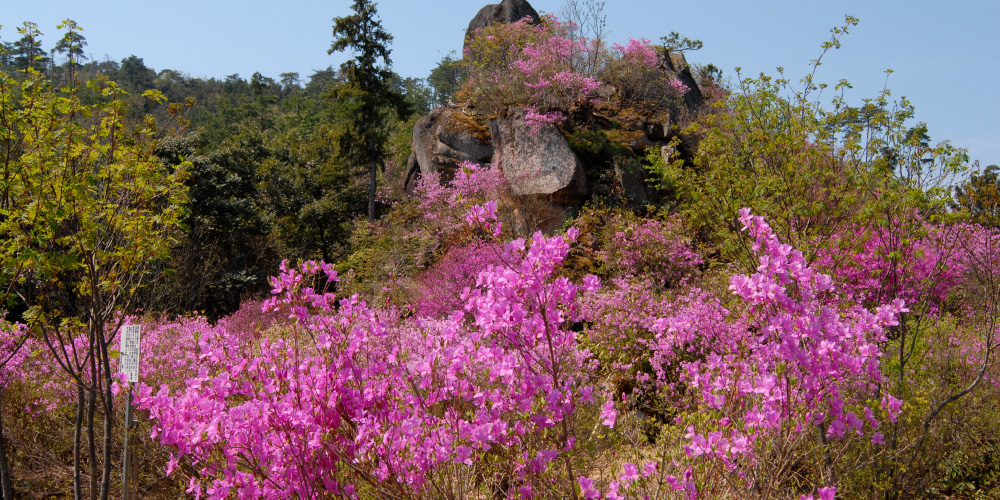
440	290
678	86
920	265
754	380
444	206
520	64
518	382
536	68
12	352
802	361
640	52
633	74
655	250
353	399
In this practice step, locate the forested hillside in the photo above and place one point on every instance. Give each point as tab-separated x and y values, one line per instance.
555	267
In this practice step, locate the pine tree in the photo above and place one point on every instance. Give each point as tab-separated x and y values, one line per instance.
71	44
28	52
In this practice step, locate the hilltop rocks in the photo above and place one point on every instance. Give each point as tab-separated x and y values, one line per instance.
534	162
444	139
507	11
537	162
675	64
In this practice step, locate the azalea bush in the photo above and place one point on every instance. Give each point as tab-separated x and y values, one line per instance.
530	384
477	384
352	400
526	65
538	68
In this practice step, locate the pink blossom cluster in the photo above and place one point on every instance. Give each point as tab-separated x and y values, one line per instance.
445	204
441	286
536	120
44	384
828	493
678	86
791	358
353	395
13	352
654	249
925	265
546	70
639	51
631	476
798	359
532	67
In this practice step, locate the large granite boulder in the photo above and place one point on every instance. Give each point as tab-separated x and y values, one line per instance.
537	162
442	140
507	11
445	138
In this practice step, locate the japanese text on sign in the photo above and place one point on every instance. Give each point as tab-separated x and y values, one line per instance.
129	360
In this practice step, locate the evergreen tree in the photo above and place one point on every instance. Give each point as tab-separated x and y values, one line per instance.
445	78
28	52
369	86
135	74
265	92
6	58
72	43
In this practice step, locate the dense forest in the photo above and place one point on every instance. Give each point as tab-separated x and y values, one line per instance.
660	283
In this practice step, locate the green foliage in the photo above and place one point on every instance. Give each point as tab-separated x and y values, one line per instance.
674	42
604	160
980	195
72	42
135	74
310	196
418	95
225	256
86	211
446	79
811	171
85	206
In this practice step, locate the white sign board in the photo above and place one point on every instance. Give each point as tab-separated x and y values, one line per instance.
128	363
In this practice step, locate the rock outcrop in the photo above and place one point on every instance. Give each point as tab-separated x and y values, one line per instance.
537	162
674	63
507	11
540	163
444	139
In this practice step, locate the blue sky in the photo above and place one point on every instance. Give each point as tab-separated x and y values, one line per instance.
943	56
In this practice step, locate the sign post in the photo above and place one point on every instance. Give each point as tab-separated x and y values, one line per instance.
128	363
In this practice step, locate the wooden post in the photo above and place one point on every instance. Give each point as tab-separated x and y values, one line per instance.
129	365
128	489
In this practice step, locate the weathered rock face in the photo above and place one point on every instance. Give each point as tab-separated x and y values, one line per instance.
444	139
674	63
537	163
507	11
412	173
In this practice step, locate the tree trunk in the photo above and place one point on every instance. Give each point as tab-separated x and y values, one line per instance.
372	179
91	407
5	486
92	442
77	445
109	414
